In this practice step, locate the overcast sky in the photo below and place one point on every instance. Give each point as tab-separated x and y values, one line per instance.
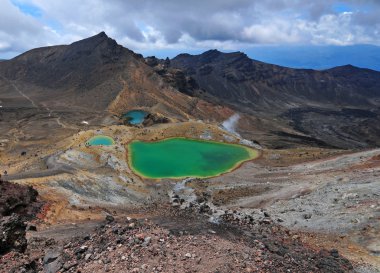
188	26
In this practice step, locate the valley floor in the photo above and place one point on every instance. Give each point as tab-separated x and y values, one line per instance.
272	214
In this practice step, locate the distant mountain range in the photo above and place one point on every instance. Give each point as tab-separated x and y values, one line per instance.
279	106
308	57
318	57
238	79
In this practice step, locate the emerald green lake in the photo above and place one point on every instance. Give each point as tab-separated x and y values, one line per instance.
100	140
181	157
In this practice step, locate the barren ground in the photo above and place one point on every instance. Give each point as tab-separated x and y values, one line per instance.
326	198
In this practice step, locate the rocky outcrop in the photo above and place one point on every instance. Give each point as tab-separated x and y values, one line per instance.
174	77
19	199
12	234
151	119
18	203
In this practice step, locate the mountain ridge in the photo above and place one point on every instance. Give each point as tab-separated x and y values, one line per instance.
259	83
292	95
93	77
318	57
98	74
218	52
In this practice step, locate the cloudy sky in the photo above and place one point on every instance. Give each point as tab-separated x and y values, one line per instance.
149	26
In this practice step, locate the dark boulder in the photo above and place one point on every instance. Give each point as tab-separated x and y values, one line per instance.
15	198
12	234
18	203
151	119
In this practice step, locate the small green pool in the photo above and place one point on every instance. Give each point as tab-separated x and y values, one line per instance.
182	157
100	140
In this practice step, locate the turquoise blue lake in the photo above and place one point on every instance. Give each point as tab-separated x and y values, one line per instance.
135	116
100	140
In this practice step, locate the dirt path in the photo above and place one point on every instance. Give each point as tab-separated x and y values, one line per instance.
53	168
20	92
36	105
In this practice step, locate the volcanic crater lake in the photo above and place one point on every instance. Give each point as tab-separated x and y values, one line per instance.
100	140
135	116
182	157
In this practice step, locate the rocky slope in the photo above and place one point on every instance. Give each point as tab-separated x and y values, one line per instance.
53	92
83	74
58	87
237	79
94	74
333	107
179	242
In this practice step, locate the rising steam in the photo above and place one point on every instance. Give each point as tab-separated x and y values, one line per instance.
231	123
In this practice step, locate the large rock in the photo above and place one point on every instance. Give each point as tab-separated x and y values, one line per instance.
15	198
17	204
154	119
53	260
12	234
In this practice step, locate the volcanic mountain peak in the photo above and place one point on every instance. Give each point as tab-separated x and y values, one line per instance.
212	56
212	53
99	40
209	52
100	36
85	73
94	49
225	54
349	69
69	65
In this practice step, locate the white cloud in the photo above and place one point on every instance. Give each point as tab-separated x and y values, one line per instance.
19	31
168	24
273	32
329	29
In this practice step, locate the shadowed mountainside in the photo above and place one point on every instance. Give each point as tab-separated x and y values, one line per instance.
81	74
49	91
337	107
57	87
236	79
92	74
